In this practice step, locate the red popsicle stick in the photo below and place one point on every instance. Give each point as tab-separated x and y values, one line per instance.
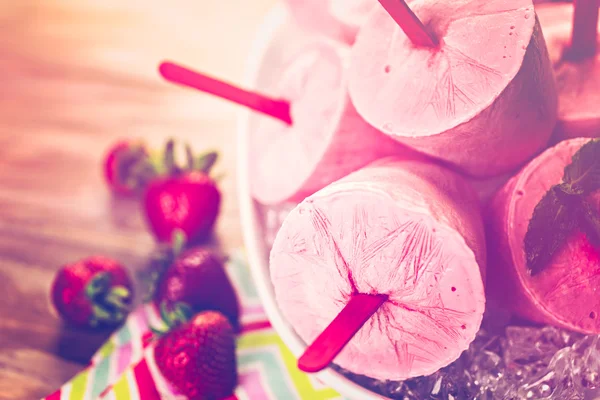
585	29
275	108
339	332
409	22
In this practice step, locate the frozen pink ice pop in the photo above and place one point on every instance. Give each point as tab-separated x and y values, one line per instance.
576	60
339	19
486	188
564	292
315	137
479	93
406	232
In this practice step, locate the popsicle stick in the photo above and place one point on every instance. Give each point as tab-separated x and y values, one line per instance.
275	108
409	22
339	332
585	29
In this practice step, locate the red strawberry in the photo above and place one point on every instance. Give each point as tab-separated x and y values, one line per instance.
198	358
196	282
120	165
186	200
189	203
93	292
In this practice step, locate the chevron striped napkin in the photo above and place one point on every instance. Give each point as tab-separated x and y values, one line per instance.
267	369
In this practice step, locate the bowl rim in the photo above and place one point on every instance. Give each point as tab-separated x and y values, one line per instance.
273	21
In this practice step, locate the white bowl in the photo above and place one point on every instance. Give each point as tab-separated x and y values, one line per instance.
277	37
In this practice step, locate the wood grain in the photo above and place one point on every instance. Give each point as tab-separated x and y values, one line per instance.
76	75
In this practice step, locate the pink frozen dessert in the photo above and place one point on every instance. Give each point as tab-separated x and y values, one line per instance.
486	188
543	237
572	38
339	19
467	81
314	136
408	230
327	138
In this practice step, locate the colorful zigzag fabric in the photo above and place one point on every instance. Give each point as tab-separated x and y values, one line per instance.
267	368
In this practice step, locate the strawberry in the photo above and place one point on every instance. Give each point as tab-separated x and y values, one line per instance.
121	163
92	292
198	358
185	200
196	282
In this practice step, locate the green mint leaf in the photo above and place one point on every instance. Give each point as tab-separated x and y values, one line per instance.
583	174
589	223
553	219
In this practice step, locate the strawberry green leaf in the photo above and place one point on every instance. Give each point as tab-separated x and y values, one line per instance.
164	313
169	156
120	291
183	311
553	219
98	284
158	262
101	314
189	155
157	331
118	298
132	166
177	314
583	174
206	161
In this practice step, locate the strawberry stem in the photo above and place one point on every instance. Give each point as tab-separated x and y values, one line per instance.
340	331
279	109
179	313
127	166
178	242
409	23
585	29
109	304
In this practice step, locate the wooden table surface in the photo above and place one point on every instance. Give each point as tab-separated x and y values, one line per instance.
76	75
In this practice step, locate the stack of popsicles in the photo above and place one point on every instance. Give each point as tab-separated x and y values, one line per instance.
391	130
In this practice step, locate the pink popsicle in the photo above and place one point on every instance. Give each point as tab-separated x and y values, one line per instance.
483	97
409	230
339	19
486	188
564	293
315	136
576	64
327	139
